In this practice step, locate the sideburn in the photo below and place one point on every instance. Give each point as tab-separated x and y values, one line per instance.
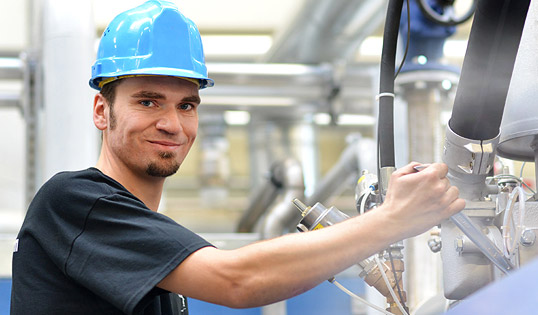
109	93
112	117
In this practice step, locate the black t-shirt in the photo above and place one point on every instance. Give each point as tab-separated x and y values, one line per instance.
88	246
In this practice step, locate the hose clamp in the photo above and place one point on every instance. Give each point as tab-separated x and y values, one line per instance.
472	157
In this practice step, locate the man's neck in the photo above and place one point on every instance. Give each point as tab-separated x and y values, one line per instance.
145	187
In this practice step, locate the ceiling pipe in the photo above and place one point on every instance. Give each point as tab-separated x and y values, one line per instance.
327	30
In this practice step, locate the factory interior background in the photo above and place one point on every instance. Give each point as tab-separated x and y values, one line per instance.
294	80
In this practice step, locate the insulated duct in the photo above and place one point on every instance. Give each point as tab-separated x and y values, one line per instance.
487	68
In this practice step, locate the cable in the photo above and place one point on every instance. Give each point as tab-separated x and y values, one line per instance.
363	201
519	180
396	279
408	40
521	170
525	184
387	282
353	295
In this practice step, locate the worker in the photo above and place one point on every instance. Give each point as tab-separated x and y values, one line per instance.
93	242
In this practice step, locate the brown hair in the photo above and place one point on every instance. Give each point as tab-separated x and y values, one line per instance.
109	93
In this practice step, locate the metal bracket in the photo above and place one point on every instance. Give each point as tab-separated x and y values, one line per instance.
472	157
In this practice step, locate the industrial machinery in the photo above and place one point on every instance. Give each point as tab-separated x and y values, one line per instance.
386	278
496	233
493	115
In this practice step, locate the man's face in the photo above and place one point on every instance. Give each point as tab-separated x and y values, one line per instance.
152	124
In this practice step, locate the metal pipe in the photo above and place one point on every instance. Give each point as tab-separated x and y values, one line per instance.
473	130
68	49
283	212
9	99
11	68
487	68
348	165
262	199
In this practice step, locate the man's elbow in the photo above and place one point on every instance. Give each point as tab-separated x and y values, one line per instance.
239	295
256	294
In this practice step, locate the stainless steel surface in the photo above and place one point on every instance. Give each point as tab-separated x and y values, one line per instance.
468	156
425	99
469	162
519	125
385	174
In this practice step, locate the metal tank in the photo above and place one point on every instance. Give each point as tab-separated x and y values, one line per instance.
519	126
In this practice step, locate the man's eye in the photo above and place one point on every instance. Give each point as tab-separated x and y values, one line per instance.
146	103
186	106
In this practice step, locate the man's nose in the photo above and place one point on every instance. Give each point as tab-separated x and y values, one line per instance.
170	122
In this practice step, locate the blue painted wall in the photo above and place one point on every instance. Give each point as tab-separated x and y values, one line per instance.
323	299
5	296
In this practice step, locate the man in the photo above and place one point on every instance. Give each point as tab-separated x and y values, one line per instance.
92	241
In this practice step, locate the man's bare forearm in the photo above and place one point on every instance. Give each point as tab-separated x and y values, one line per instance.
276	269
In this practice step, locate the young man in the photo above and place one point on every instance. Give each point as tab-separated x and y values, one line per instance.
93	242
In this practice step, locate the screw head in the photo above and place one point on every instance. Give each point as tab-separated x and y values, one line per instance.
458	244
528	237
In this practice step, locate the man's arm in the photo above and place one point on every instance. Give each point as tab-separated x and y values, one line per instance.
277	269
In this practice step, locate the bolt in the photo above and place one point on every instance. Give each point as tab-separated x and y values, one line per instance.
458	243
301	206
527	238
434	244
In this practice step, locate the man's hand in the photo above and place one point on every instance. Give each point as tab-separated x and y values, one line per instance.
418	200
272	270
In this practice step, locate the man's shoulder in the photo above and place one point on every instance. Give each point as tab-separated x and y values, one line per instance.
84	181
87	174
73	194
82	187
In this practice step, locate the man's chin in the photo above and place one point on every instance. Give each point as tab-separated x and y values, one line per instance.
162	170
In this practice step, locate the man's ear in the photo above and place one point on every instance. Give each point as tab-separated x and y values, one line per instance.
100	111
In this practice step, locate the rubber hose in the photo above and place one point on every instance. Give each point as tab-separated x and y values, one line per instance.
385	127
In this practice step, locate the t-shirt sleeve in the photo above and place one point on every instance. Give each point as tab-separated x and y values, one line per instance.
125	249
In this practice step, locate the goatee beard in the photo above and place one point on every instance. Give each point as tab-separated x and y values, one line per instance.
163	169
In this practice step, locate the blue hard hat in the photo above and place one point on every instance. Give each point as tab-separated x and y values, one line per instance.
151	39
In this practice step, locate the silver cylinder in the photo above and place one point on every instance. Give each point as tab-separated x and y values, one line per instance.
519	125
69	141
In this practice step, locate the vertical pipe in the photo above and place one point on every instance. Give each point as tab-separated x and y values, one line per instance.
69	139
535	148
31	99
423	268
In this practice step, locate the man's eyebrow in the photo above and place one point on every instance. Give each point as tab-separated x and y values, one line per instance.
192	99
156	95
148	94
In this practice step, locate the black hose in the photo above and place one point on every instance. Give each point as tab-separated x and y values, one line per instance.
487	68
385	126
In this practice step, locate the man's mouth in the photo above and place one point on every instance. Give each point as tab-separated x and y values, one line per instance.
166	145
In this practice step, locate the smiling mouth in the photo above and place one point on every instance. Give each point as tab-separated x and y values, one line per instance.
166	144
